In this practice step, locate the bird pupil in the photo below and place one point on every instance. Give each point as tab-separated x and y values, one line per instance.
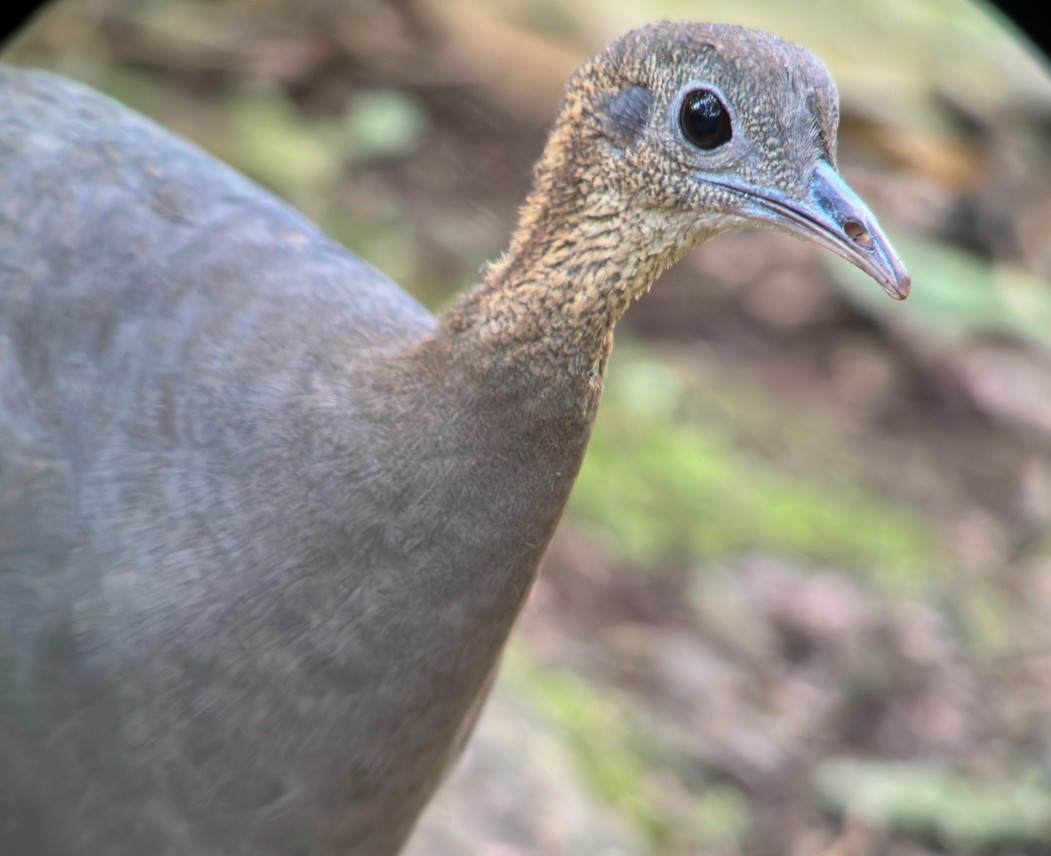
705	120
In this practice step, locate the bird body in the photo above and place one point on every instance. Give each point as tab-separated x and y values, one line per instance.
250	505
265	523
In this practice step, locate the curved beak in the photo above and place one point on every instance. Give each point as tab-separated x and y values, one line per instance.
835	217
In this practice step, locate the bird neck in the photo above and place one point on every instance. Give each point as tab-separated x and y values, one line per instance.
576	260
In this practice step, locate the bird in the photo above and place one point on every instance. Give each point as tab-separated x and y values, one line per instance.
266	522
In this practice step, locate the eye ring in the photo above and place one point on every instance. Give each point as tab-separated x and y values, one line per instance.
705	120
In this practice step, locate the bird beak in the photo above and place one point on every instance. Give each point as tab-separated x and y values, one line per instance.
834	216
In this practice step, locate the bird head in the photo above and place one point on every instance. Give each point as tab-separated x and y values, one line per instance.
691	130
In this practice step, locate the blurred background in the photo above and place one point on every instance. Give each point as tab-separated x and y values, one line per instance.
800	602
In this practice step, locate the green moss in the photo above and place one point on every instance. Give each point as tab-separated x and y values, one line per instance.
957	296
277	147
721	813
627	763
660	490
949	809
595	733
380	123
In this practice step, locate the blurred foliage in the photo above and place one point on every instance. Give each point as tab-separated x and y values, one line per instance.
382	123
276	148
947	808
660	490
621	759
961	296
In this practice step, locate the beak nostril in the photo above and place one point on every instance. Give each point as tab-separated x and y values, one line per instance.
858	234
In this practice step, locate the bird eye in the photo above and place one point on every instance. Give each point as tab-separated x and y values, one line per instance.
704	120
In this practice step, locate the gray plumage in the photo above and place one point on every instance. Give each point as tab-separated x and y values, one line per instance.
265	523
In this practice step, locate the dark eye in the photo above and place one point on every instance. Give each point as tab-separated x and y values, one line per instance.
704	120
